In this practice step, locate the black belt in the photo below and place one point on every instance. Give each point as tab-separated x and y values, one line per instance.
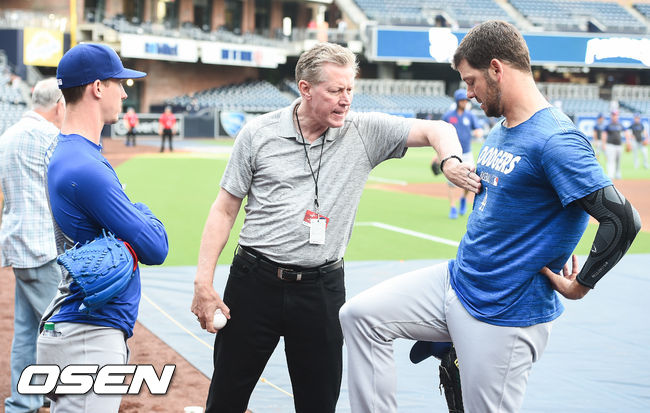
283	272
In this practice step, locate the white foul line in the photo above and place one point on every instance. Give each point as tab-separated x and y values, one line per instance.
387	181
179	325
408	232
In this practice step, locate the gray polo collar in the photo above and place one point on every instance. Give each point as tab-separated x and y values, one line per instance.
287	129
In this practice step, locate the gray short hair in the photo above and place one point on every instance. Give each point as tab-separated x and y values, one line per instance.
46	93
311	61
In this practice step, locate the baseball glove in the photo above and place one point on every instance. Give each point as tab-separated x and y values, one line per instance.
102	268
435	167
449	373
450	381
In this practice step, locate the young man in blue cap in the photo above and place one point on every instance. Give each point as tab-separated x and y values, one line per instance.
87	198
467	125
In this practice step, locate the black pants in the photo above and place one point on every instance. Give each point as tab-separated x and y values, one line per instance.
167	134
263	308
130	137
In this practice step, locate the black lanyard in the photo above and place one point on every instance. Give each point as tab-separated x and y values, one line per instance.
314	176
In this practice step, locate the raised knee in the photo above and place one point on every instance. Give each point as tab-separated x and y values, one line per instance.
347	315
350	314
344	314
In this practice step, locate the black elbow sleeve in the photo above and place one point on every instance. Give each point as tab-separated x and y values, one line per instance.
619	224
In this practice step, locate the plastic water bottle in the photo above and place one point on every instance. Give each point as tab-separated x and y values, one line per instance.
48	330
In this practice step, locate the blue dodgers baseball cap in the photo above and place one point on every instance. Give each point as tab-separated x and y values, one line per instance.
87	62
460	94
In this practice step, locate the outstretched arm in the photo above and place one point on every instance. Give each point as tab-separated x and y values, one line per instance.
619	224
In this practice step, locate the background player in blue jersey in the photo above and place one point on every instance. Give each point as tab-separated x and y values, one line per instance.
86	198
638	137
496	301
467	125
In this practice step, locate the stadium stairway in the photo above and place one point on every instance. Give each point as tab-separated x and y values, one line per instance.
352	10
519	18
634	12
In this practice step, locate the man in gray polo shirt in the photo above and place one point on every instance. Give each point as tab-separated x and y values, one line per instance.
303	169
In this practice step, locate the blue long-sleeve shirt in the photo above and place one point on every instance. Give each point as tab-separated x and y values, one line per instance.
87	197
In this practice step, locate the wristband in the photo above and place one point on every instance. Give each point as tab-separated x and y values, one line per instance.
442	163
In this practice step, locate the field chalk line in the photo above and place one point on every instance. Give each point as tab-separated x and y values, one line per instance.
408	232
200	340
387	181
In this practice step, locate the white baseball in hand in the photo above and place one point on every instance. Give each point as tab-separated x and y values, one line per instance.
219	320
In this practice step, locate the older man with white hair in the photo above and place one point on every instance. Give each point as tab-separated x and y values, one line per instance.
27	233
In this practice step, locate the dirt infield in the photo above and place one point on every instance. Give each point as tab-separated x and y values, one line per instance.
188	387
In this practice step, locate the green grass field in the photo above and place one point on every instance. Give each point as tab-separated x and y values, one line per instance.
180	191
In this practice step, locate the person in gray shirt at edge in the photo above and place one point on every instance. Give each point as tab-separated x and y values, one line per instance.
303	169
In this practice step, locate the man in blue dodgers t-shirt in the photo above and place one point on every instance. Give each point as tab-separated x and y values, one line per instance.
496	300
86	198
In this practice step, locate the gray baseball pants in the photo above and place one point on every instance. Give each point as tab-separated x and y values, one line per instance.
421	305
613	154
83	344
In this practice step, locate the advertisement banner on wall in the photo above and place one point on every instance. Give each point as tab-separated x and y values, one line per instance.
241	55
159	48
436	44
42	47
231	122
147	126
